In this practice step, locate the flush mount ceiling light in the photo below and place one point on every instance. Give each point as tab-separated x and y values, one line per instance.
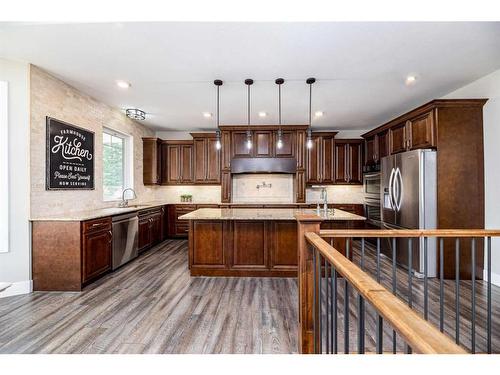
123	84
410	80
279	143
207	114
262	114
248	82
309	143
135	114
218	145
319	113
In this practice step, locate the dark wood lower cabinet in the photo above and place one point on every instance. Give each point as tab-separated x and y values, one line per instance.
150	228
96	254
67	255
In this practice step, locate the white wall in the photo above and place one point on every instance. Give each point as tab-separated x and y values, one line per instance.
15	264
489	87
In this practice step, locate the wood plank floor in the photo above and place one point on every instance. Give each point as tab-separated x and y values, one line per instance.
152	305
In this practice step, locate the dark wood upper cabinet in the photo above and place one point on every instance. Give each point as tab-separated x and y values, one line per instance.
289	145
371	145
177	161
348	161
320	159
421	131
263	144
382	145
152	166
397	137
239	147
206	159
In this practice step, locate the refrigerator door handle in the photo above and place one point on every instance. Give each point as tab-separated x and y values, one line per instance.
391	181
398	181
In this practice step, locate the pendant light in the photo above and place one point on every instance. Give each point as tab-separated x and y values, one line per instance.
279	143
249	82
218	144
309	142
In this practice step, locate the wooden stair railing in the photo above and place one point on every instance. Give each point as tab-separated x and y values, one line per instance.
419	334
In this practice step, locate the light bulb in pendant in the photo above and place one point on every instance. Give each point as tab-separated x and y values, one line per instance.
309	143
218	145
249	143
279	144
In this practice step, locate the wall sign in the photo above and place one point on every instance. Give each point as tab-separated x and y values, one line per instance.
70	157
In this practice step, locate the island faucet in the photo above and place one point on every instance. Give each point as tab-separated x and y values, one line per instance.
124	202
323	196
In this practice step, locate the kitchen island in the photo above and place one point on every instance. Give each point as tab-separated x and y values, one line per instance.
251	241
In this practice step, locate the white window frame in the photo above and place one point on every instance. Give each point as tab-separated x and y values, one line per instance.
128	160
4	167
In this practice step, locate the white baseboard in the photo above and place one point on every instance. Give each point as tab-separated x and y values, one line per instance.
20	287
495	277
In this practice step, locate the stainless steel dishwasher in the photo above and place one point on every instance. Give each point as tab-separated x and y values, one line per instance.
125	238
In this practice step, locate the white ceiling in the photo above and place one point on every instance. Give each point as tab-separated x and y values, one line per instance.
360	67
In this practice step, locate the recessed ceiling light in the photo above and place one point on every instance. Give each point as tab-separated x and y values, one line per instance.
319	113
410	80
123	84
207	114
262	114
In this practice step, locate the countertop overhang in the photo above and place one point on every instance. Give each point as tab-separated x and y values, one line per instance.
266	214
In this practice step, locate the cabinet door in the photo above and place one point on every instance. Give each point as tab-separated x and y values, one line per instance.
314	162
263	144
249	244
144	233
186	163
173	162
155	228
284	245
239	145
301	149
226	187
300	187
150	166
340	163
288	148
354	162
200	160
383	145
96	254
327	160
421	131
397	135
207	247
213	162
371	150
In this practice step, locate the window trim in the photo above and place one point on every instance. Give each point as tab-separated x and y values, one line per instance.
4	167
128	160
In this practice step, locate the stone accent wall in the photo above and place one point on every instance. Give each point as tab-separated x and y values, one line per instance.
49	96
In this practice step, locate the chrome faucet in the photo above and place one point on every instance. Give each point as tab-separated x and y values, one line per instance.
324	197
124	202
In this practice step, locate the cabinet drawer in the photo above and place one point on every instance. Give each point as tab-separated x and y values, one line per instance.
97	224
181	228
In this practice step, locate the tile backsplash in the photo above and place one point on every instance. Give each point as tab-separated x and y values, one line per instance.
263	188
337	194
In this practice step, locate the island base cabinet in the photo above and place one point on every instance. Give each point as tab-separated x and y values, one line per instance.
243	248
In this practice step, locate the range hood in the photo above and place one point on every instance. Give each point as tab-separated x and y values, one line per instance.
264	165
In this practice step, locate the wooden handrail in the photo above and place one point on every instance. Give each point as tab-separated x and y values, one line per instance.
419	334
444	233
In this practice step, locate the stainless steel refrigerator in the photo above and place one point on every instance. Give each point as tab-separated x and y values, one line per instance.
408	198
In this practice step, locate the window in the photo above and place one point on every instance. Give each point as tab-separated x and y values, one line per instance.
4	170
116	164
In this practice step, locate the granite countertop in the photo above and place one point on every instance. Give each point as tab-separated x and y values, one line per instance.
265	214
98	213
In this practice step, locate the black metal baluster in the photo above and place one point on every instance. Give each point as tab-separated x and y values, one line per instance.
346	316
457	290
488	261
380	334
378	260
379	326
361	324
320	309
441	284
410	280
362	253
473	297
327	294
333	327
315	333
394	288
335	316
426	284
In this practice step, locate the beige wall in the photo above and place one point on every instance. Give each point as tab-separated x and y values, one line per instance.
52	97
